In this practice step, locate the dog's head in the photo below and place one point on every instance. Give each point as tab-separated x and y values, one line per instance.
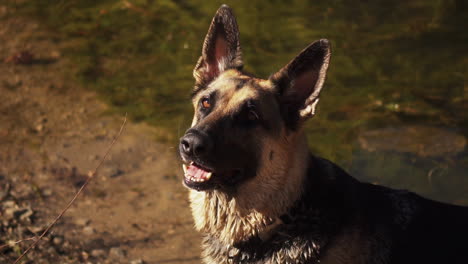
245	126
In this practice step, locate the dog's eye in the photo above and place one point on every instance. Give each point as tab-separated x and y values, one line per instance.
205	102
252	115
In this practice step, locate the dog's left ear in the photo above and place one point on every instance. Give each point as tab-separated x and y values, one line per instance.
221	48
299	83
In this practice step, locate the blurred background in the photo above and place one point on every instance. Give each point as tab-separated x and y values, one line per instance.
394	109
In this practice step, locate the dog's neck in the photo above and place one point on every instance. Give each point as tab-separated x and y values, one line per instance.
255	208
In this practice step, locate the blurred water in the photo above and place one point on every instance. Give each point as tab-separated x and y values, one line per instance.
394	109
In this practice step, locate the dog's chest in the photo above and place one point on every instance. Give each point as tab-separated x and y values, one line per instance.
282	247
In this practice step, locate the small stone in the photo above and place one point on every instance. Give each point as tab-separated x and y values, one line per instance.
67	116
117	173
47	192
55	54
66	244
88	230
58	240
150	159
84	255
51	251
24	214
18	213
98	253
93	157
36	229
39	128
42	120
117	253
9	213
137	261
113	172
82	221
9	204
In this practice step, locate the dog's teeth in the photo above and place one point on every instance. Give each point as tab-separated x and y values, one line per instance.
191	163
185	168
208	175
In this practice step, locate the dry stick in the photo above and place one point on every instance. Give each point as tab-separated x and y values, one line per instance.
90	176
12	243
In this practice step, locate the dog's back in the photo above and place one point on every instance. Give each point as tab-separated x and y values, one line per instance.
392	226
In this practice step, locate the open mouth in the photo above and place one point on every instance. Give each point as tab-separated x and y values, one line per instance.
202	178
196	176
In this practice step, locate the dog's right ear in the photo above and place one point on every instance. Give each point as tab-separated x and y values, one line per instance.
221	48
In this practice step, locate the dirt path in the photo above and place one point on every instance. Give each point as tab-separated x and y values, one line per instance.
52	132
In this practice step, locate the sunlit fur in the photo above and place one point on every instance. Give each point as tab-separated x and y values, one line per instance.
258	201
236	218
293	207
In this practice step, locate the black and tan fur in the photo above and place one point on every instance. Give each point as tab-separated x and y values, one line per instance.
269	200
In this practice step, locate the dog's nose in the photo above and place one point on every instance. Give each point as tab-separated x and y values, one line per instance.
195	144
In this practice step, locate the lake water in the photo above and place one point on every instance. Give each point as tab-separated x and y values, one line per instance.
394	109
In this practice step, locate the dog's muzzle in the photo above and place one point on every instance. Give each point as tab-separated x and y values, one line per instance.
194	148
195	144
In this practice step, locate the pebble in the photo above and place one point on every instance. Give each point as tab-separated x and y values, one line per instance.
88	230
112	172
94	157
98	253
39	128
55	54
150	159
137	261
84	255
9	204
117	173
58	240
24	214
47	192
36	229
42	120
9	213
82	221
51	250
116	253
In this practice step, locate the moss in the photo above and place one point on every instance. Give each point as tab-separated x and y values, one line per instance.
387	56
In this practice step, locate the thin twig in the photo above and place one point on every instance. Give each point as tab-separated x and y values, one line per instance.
91	174
12	243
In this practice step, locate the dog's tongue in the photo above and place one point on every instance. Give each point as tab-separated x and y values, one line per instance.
196	173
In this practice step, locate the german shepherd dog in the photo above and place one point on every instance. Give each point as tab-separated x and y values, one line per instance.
258	196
